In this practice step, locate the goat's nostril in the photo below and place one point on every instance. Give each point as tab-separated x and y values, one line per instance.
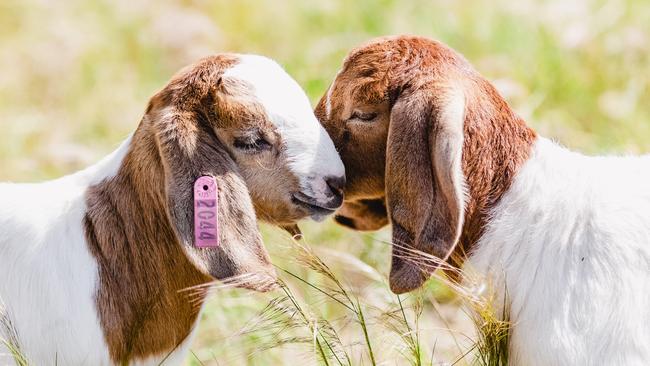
336	184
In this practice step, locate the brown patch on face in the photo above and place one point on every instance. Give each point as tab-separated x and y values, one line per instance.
361	144
237	118
374	78
139	223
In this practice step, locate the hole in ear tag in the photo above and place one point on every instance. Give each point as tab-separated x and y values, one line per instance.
206	221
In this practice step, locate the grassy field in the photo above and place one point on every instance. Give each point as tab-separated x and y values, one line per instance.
77	76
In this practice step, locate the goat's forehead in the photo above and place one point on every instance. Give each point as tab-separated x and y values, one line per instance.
308	146
278	92
348	88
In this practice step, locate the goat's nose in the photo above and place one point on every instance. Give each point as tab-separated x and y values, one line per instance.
336	185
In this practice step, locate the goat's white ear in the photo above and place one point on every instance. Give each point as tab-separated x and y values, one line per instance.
424	182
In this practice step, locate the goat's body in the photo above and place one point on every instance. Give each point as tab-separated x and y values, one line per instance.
95	267
44	264
49	277
570	243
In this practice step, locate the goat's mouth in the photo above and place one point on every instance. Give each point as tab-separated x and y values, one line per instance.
317	210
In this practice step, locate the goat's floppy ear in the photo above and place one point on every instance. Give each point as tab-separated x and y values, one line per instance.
424	181
189	148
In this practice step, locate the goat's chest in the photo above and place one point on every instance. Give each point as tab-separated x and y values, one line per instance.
48	286
574	271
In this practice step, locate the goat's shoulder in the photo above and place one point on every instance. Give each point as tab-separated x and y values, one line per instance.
33	208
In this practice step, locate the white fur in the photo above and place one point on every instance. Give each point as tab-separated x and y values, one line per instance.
48	278
570	242
310	151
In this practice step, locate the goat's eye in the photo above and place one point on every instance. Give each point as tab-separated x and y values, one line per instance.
364	117
252	144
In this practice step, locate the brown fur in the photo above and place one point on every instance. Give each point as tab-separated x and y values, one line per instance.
139	223
142	266
363	215
421	76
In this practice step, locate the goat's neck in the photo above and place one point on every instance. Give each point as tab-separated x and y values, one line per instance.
142	265
497	143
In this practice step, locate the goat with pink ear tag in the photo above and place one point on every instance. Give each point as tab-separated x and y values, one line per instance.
98	274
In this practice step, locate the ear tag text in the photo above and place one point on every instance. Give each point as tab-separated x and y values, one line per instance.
206	221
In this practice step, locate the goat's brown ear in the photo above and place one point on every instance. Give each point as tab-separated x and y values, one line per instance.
424	182
189	148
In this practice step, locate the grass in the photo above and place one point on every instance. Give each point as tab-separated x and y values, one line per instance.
11	343
78	75
321	319
363	332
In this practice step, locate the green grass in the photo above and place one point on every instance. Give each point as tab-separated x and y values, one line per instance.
333	309
10	343
78	74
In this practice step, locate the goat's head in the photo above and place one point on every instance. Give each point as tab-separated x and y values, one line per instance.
419	128
245	121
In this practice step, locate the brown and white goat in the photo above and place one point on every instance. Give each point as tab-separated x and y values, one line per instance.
92	265
565	236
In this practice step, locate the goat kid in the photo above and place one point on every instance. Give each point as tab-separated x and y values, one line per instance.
93	265
429	144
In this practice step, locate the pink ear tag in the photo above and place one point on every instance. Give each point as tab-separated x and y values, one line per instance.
206	222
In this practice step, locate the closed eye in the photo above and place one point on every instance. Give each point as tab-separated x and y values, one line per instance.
251	145
364	117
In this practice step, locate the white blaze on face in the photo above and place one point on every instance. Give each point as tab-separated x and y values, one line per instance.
310	151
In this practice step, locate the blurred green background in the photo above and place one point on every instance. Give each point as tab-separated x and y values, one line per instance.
77	74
